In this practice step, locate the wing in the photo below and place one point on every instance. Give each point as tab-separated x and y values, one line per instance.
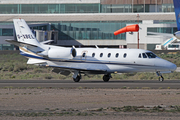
61	69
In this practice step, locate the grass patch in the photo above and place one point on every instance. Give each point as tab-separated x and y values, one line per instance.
124	87
97	112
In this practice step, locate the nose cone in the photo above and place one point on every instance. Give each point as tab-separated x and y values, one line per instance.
164	65
172	67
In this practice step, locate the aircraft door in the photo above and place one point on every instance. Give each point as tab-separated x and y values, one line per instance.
84	55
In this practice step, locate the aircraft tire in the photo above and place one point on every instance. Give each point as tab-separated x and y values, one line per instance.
106	78
161	78
77	79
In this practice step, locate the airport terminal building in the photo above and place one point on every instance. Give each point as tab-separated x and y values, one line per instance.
89	22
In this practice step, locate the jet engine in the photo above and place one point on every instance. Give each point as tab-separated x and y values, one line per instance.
62	53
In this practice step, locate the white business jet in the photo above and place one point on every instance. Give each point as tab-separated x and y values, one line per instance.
66	60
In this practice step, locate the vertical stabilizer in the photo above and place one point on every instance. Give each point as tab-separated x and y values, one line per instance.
23	33
177	12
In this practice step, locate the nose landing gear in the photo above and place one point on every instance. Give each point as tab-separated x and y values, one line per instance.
161	78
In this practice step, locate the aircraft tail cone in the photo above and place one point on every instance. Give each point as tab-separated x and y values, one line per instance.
130	28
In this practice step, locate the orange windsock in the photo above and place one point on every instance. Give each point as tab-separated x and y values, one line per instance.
129	28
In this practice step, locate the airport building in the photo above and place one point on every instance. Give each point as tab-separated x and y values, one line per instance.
89	22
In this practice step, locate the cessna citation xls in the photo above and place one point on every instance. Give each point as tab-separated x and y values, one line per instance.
66	60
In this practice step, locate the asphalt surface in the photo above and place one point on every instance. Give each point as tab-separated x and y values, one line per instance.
132	84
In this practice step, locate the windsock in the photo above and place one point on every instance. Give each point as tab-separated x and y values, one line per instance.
129	28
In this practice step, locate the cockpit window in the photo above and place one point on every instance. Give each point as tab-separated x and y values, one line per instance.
139	55
151	55
144	55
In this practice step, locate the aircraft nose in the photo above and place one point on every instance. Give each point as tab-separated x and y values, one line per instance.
165	65
173	67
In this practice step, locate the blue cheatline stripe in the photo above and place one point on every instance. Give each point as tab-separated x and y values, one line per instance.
168	41
73	61
32	56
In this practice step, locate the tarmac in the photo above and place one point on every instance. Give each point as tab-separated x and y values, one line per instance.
98	84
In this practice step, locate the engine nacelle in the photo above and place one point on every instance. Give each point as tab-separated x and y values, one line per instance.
62	53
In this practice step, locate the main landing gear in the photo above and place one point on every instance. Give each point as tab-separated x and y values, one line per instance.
161	78
77	79
107	77
76	76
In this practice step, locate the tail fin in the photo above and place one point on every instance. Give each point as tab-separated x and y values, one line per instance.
177	12
24	34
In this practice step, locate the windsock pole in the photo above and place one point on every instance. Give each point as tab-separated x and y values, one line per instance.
138	30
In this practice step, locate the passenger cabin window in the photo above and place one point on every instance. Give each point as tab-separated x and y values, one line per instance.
101	54
139	55
93	54
117	55
144	55
125	55
151	55
109	54
84	54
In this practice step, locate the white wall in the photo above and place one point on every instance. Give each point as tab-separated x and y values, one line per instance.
144	39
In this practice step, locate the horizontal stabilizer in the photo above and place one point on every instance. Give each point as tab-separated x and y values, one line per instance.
35	61
20	44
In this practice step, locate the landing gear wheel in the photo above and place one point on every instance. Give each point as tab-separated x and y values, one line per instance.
161	79
77	79
106	78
